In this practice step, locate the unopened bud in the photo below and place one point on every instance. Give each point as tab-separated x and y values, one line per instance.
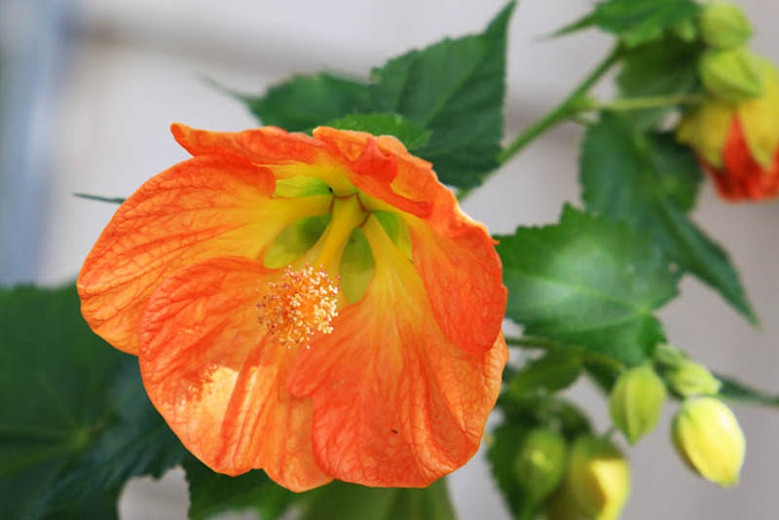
636	401
598	477
540	465
709	440
731	75
688	379
724	25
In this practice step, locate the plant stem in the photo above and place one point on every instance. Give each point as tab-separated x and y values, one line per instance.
573	103
640	103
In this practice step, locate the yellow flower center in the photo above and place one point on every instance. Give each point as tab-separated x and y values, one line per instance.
303	303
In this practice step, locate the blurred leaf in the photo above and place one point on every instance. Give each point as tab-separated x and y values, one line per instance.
650	182
454	88
342	501
408	133
667	67
587	282
554	371
641	21
502	451
211	493
75	422
737	391
305	102
100	198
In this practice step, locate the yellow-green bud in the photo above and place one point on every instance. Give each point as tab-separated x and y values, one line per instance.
685	30
731	75
688	379
598	477
636	401
724	26
540	465
709	440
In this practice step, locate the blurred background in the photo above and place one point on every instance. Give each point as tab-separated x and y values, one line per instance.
88	89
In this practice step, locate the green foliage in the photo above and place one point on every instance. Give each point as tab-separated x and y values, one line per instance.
212	493
503	449
587	282
304	102
408	133
342	501
649	182
737	391
75	422
667	67
554	371
454	89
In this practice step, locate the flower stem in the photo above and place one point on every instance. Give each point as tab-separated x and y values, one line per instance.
572	104
641	103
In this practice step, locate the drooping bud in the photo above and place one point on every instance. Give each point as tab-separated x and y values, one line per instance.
731	75
709	440
540	464
636	401
598	477
689	379
724	25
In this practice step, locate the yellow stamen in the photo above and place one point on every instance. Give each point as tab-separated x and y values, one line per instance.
299	306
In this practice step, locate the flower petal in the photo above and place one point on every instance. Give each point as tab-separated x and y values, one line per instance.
455	255
204	207
215	378
394	402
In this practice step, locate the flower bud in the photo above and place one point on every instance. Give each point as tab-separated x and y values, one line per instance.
540	465
688	379
598	477
708	438
724	26
636	401
731	75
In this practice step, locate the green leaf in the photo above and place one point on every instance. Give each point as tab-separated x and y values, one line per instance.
587	282
211	493
305	102
642	21
554	371
408	133
454	88
737	391
650	182
503	449
668	67
342	501
75	423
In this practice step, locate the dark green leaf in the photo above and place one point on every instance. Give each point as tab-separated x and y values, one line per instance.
75	422
342	501
454	88
305	102
665	68
411	135
211	493
587	282
641	21
650	182
737	391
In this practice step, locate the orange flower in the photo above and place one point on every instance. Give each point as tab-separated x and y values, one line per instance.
738	144
318	307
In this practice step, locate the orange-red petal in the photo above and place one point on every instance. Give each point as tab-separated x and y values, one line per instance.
394	402
455	256
742	176
207	206
218	381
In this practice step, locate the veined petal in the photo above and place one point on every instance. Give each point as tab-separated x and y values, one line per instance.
455	256
218	380
204	207
434	396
